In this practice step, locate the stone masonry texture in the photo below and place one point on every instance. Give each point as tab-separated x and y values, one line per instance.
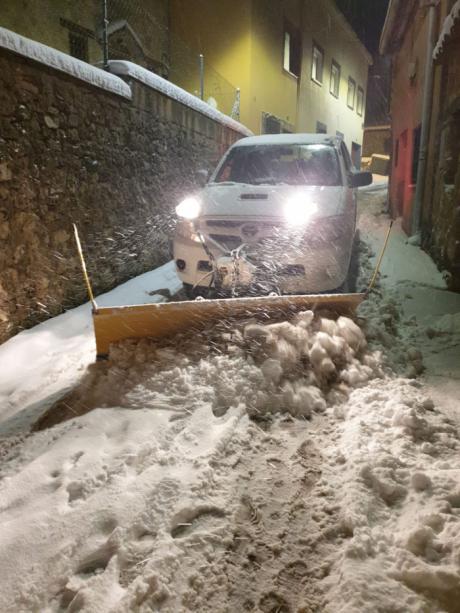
73	153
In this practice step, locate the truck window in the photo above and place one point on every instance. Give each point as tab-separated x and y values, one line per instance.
312	164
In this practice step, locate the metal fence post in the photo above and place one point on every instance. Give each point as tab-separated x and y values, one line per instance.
236	105
201	76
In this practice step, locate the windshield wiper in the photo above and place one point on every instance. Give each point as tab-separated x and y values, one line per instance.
228	183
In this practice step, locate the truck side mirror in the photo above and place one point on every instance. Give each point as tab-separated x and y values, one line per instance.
359	179
202	176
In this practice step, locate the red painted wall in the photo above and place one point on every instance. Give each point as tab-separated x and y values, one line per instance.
408	71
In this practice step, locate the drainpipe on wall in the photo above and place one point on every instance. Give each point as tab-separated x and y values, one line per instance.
426	117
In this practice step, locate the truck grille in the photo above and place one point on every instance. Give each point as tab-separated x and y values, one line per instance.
223	223
228	241
254	197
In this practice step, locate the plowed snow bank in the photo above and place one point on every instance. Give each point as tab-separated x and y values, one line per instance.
297	366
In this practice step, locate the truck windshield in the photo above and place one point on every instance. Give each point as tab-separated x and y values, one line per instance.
314	164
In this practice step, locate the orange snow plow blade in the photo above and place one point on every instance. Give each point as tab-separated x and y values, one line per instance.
113	324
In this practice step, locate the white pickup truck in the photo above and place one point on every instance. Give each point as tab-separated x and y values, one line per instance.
278	214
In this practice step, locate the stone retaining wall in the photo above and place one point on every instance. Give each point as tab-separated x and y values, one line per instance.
70	153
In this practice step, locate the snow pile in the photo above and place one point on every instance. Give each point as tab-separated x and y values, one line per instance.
380	318
128	69
296	367
63	62
398	478
448	324
447	30
309	363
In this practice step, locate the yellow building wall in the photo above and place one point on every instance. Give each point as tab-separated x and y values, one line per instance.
273	90
243	40
322	25
222	32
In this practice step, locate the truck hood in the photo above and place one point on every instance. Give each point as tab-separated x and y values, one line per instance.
241	200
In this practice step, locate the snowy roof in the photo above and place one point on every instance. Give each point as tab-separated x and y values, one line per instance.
150	79
288	139
451	22
119	24
63	62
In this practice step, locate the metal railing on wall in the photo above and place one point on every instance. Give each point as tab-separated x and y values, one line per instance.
96	31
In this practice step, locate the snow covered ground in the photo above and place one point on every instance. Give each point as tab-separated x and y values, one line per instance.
40	364
282	467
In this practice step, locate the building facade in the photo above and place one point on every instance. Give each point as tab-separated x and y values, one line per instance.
138	30
298	64
285	66
406	38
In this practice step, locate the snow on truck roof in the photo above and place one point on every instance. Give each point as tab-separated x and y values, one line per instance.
288	139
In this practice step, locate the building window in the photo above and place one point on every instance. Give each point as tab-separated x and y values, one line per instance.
78	46
292	50
275	125
335	79
415	152
351	93
360	101
317	63
271	124
78	39
321	128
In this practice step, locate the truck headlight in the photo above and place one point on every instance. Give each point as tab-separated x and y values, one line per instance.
299	209
189	208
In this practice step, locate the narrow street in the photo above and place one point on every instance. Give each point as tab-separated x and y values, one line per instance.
230	306
196	478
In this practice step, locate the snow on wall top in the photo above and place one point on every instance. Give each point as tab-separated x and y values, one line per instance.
150	79
63	62
447	29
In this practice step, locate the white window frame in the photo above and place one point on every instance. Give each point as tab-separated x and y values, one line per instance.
351	81
335	65
287	51
360	101
317	53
